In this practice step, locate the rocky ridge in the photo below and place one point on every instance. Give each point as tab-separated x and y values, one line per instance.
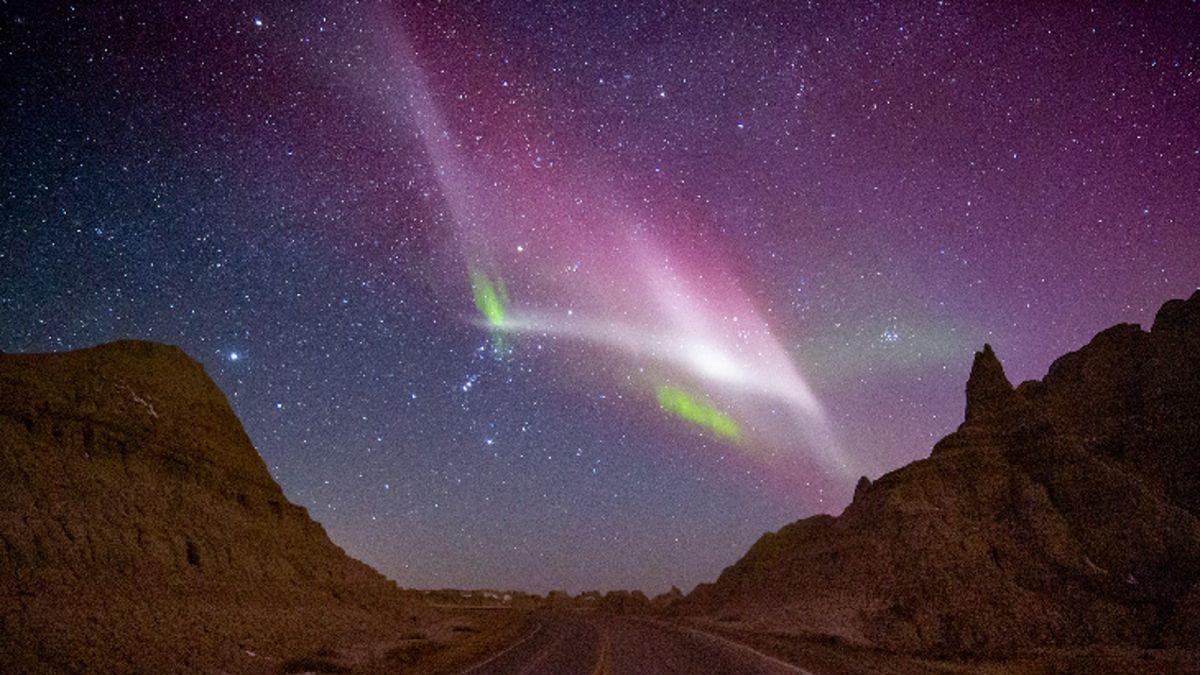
1062	512
140	530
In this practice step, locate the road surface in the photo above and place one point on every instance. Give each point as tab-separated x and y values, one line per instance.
568	644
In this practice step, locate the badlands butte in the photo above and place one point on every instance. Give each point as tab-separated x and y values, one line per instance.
1057	530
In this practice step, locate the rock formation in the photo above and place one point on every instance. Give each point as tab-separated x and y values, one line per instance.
1063	512
141	531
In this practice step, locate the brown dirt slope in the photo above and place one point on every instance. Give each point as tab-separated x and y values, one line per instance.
1062	512
140	530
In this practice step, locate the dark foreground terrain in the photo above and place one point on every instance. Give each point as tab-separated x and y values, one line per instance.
1062	514
575	643
583	643
141	532
1057	530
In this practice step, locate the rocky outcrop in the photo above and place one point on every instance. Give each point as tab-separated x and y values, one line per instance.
1062	512
140	530
990	396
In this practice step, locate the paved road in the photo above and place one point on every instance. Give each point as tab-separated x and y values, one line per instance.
564	644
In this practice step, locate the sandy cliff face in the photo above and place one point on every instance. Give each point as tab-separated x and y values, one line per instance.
1061	512
140	530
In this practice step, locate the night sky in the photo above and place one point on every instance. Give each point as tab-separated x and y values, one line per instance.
792	223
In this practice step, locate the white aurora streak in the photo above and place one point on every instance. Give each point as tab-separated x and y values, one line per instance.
735	360
631	298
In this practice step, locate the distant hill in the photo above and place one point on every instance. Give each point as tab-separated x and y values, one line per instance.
1061	512
140	530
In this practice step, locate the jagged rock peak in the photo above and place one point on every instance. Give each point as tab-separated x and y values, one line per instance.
988	388
1177	315
863	484
1070	494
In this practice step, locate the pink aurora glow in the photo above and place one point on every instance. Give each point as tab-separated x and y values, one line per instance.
582	262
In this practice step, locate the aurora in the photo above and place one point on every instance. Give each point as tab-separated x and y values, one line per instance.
681	404
615	285
491	299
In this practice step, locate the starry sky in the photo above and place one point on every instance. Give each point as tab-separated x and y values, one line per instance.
802	218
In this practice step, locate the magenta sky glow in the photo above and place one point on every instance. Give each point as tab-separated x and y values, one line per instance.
606	281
